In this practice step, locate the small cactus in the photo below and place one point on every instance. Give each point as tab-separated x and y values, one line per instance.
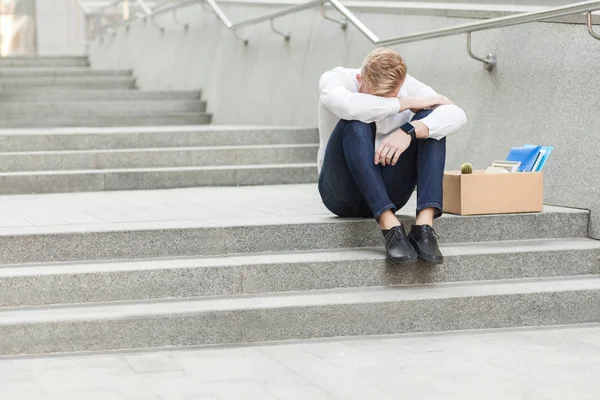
466	168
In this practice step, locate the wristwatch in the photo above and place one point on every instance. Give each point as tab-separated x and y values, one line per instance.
409	129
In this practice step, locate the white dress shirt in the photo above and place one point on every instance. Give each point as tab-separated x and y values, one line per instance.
340	99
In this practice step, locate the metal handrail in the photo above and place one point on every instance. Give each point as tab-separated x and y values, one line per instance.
501	22
220	14
489	62
144	7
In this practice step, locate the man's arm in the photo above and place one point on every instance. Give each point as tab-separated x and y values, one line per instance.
345	104
444	120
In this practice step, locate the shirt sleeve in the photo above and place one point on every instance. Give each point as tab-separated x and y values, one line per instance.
337	96
445	119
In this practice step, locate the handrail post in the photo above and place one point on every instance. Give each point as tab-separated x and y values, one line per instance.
489	62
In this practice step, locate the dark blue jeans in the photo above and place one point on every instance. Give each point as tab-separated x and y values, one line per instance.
351	185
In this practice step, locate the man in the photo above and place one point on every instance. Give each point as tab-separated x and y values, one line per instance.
371	157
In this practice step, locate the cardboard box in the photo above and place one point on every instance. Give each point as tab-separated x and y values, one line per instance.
480	193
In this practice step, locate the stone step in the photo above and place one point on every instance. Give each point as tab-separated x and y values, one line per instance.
44	95
128	120
59	72
305	315
215	234
102	108
289	271
159	157
44	61
12	140
154	178
81	82
44	68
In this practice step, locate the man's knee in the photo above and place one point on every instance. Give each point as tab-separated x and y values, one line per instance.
342	205
433	149
422	114
362	129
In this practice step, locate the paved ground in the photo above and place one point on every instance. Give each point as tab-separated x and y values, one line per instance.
505	365
226	206
198	206
537	365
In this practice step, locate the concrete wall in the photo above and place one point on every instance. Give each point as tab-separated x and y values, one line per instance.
544	91
60	27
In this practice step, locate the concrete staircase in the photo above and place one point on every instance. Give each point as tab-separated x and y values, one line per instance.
98	159
153	283
64	91
230	265
92	131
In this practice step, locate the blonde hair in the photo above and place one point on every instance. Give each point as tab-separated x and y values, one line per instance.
383	72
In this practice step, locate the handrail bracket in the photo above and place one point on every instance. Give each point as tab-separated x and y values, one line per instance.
148	14
176	19
156	24
343	22
286	34
489	62
214	7
591	27
243	38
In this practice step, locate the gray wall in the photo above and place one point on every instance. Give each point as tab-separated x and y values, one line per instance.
545	89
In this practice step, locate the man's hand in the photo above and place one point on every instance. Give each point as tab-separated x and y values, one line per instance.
419	103
392	148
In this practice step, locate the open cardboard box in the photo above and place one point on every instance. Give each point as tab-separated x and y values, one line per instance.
480	193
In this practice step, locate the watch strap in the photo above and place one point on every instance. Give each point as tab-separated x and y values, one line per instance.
413	135
410	130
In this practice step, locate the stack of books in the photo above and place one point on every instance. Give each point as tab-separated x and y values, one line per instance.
528	158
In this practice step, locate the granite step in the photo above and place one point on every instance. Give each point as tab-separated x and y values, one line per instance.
158	157
58	72
25	140
67	283
45	94
44	61
102	108
81	82
124	120
220	236
29	182
300	315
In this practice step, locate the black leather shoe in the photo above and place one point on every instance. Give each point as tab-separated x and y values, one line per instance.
399	249
424	240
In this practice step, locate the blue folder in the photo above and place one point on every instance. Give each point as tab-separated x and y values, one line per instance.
541	160
526	155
